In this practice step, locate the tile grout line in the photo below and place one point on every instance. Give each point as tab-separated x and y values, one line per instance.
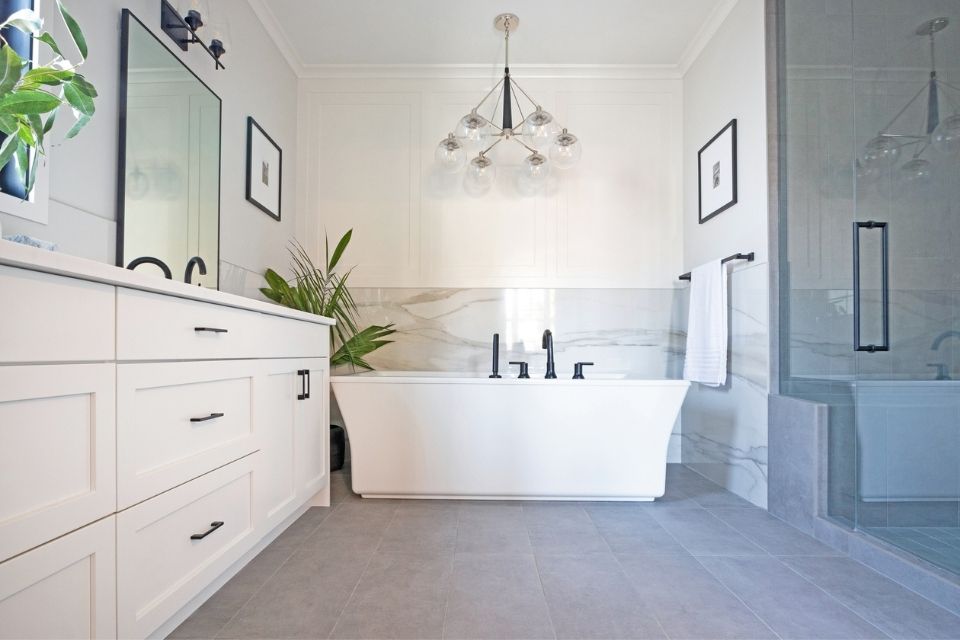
449	589
536	567
275	571
366	567
721	582
834	598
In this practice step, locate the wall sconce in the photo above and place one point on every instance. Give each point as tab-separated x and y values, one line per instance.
183	31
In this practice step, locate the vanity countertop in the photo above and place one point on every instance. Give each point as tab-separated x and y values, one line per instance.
24	257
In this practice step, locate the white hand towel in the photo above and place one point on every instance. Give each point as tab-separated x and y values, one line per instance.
706	359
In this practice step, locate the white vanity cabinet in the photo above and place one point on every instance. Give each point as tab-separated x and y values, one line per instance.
150	437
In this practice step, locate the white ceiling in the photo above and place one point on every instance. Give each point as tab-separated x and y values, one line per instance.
461	32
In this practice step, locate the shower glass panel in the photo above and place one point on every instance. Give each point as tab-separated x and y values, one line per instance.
870	282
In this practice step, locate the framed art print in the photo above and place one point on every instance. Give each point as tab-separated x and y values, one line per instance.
717	172
264	170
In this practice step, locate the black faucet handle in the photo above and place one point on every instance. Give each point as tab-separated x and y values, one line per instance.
578	369
943	371
524	369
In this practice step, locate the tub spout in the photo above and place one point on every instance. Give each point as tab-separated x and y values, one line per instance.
548	345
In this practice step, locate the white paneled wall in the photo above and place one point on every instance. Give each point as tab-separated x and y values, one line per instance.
613	221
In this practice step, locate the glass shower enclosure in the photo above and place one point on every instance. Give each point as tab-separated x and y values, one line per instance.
870	257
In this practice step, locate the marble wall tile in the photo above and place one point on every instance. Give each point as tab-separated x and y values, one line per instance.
631	331
724	434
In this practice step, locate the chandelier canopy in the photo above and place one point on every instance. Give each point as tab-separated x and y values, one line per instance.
549	144
884	151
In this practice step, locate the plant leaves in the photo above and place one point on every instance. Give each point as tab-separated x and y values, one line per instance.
8	149
9	124
28	101
48	125
84	85
75	32
81	122
48	40
25	20
78	99
338	252
46	76
12	70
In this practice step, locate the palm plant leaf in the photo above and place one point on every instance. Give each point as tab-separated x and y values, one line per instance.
325	292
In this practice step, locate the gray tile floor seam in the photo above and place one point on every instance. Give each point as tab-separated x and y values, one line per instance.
274	572
536	564
833	597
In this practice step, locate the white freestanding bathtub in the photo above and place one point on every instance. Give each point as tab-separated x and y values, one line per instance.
437	435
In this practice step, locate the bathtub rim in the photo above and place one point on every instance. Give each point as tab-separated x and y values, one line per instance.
424	377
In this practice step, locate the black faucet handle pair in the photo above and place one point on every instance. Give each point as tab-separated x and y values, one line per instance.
524	369
578	369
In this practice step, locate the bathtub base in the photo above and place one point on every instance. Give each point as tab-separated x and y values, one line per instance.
414	496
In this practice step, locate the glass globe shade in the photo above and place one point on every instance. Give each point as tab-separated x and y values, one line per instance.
946	137
916	171
450	155
565	150
534	173
867	174
481	174
473	131
882	151
539	128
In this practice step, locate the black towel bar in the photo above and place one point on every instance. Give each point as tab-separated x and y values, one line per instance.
737	256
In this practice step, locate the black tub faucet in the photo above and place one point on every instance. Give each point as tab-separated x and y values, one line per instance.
943	336
548	345
200	264
578	370
496	356
149	260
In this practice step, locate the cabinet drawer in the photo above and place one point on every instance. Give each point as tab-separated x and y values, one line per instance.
36	329
157	327
57	451
179	420
161	565
64	589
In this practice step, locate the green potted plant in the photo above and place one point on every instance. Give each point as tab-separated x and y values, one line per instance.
31	95
324	292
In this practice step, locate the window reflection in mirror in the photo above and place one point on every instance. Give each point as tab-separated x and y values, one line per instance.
169	162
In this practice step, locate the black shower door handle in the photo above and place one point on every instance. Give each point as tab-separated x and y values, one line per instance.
884	286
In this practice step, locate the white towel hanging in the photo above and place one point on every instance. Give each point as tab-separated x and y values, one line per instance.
707	328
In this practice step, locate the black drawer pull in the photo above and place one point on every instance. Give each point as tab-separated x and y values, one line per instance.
205	418
213	527
304	394
209	330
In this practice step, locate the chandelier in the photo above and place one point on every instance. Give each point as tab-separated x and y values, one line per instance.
537	132
886	149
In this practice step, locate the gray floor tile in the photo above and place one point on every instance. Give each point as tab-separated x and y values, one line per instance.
688	601
630	529
792	606
487	528
203	624
399	596
354	525
496	596
772	534
562	529
303	599
421	530
703	534
590	597
895	610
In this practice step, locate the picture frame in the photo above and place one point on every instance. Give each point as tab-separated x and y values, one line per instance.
264	170
717	173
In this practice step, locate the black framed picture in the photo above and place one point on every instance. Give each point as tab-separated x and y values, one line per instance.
717	172
264	170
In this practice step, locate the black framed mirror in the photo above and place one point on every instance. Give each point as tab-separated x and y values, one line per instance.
168	180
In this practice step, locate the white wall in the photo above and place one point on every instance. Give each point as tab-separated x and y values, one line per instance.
613	221
725	429
258	82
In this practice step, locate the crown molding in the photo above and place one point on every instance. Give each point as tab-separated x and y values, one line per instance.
276	32
486	71
704	35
